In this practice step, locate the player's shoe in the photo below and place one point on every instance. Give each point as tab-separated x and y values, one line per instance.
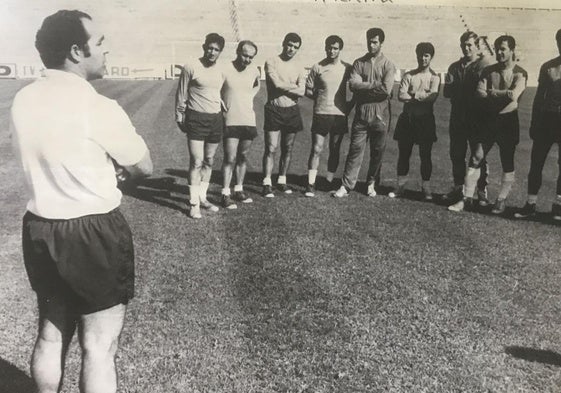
242	197
397	193
205	204
195	212
310	191
371	191
268	191
454	195
482	199
228	203
499	207
528	210
427	193
556	211
284	188
466	204
341	192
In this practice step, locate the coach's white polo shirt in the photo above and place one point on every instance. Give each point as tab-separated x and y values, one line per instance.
65	134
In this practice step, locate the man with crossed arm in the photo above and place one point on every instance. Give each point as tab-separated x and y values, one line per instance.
327	86
285	80
371	81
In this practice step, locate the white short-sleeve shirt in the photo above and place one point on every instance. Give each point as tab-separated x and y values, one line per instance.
240	87
65	135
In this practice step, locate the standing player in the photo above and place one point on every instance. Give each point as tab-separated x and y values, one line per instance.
499	91
416	125
460	86
545	130
241	84
371	81
327	86
285	85
198	113
77	246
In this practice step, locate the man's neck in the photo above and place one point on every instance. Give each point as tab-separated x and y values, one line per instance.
72	69
508	64
285	57
329	60
373	56
238	66
206	63
423	70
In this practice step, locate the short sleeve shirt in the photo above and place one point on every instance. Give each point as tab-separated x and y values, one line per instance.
328	81
238	92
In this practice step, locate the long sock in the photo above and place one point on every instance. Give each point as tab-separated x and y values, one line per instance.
226	191
330	176
238	187
194	194
506	185
312	173
533	199
557	200
204	189
281	180
426	185
267	181
472	175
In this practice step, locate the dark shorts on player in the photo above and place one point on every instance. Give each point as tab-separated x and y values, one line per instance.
285	119
89	260
329	124
502	129
414	128
206	127
240	132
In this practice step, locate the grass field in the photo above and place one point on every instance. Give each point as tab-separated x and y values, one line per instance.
310	295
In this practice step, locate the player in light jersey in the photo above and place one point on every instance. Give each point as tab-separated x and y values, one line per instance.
241	84
198	113
285	80
327	86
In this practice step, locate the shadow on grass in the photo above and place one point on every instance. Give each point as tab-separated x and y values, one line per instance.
159	191
13	380
535	355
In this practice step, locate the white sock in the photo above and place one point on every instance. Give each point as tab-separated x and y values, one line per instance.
312	173
426	184
506	185
558	200
401	181
281	180
194	193
226	191
267	181
204	189
470	182
330	176
532	199
238	187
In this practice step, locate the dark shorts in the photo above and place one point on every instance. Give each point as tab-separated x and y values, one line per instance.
206	127
502	129
89	260
415	128
283	119
329	124
240	132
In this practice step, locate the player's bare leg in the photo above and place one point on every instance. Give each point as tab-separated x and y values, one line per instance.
241	169
313	163
271	145
287	143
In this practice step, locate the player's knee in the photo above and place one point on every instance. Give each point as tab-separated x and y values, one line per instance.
208	161
241	158
99	346
317	149
270	149
196	163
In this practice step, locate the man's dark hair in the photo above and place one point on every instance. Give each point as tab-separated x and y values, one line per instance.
468	35
292	37
505	38
58	33
424	47
332	39
214	38
558	35
375	32
246	42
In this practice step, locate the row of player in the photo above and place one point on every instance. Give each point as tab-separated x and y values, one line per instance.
215	103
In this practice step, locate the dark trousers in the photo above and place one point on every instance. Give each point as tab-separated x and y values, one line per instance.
405	150
540	150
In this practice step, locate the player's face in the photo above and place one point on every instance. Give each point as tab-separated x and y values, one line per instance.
424	60
503	52
246	55
374	45
332	51
290	49
94	63
212	52
469	48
